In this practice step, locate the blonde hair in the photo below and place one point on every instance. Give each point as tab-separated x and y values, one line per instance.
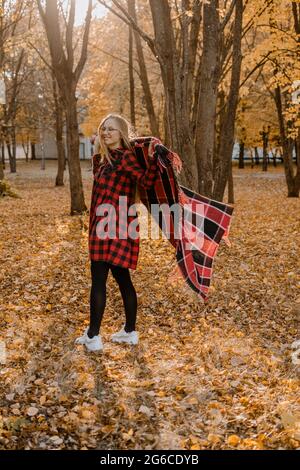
127	133
126	130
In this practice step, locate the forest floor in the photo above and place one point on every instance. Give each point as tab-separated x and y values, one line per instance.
213	376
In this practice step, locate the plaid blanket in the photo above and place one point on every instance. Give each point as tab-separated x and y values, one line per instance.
197	224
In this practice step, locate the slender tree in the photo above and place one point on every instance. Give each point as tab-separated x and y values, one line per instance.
67	74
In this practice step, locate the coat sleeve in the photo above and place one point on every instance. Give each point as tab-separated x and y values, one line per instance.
145	178
96	162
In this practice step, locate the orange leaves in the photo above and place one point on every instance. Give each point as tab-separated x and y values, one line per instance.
233	440
201	378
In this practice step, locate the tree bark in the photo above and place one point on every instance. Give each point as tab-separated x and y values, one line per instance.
241	155
144	75
130	70
25	146
12	160
227	132
206	116
59	124
293	181
256	156
14	146
230	186
33	155
274	155
265	150
76	187
2	162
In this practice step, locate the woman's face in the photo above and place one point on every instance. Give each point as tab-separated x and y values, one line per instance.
109	134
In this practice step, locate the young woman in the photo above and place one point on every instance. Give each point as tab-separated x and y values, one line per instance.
116	172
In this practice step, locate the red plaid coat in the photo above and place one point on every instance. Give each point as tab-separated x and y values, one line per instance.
110	182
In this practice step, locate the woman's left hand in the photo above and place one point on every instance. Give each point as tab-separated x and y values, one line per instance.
151	149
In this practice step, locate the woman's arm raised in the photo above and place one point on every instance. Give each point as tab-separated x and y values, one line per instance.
145	178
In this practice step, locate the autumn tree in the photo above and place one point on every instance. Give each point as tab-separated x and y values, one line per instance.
275	49
67	73
49	92
15	20
190	63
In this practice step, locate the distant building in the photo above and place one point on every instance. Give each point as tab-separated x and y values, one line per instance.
85	147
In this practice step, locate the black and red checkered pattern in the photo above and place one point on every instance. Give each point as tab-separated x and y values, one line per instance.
207	219
110	183
158	184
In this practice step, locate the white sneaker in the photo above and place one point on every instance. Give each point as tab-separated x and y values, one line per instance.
92	344
120	333
123	337
81	339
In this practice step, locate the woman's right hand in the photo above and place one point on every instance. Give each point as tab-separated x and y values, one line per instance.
151	148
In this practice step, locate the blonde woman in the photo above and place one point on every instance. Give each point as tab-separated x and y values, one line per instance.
116	172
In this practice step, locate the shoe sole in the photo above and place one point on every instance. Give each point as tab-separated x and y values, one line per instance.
94	350
119	340
90	350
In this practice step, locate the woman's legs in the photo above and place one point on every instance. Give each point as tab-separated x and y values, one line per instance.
122	276
99	272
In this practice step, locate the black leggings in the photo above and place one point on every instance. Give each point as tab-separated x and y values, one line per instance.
99	271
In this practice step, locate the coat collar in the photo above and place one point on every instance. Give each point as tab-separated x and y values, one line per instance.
116	151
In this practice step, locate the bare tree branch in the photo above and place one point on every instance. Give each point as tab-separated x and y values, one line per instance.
130	22
40	55
85	41
69	33
227	16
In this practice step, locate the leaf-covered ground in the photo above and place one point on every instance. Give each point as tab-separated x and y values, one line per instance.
218	376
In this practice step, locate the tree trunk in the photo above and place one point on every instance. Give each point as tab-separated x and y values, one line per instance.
144	75
251	156
33	155
12	160
59	125
256	156
219	125
14	146
61	156
3	154
274	155
206	116
167	138
230	186
1	162
77	197
130	70
241	155
227	132
25	146
61	164
293	181
67	74
265	150
178	118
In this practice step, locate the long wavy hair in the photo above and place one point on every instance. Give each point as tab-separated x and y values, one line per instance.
127	132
